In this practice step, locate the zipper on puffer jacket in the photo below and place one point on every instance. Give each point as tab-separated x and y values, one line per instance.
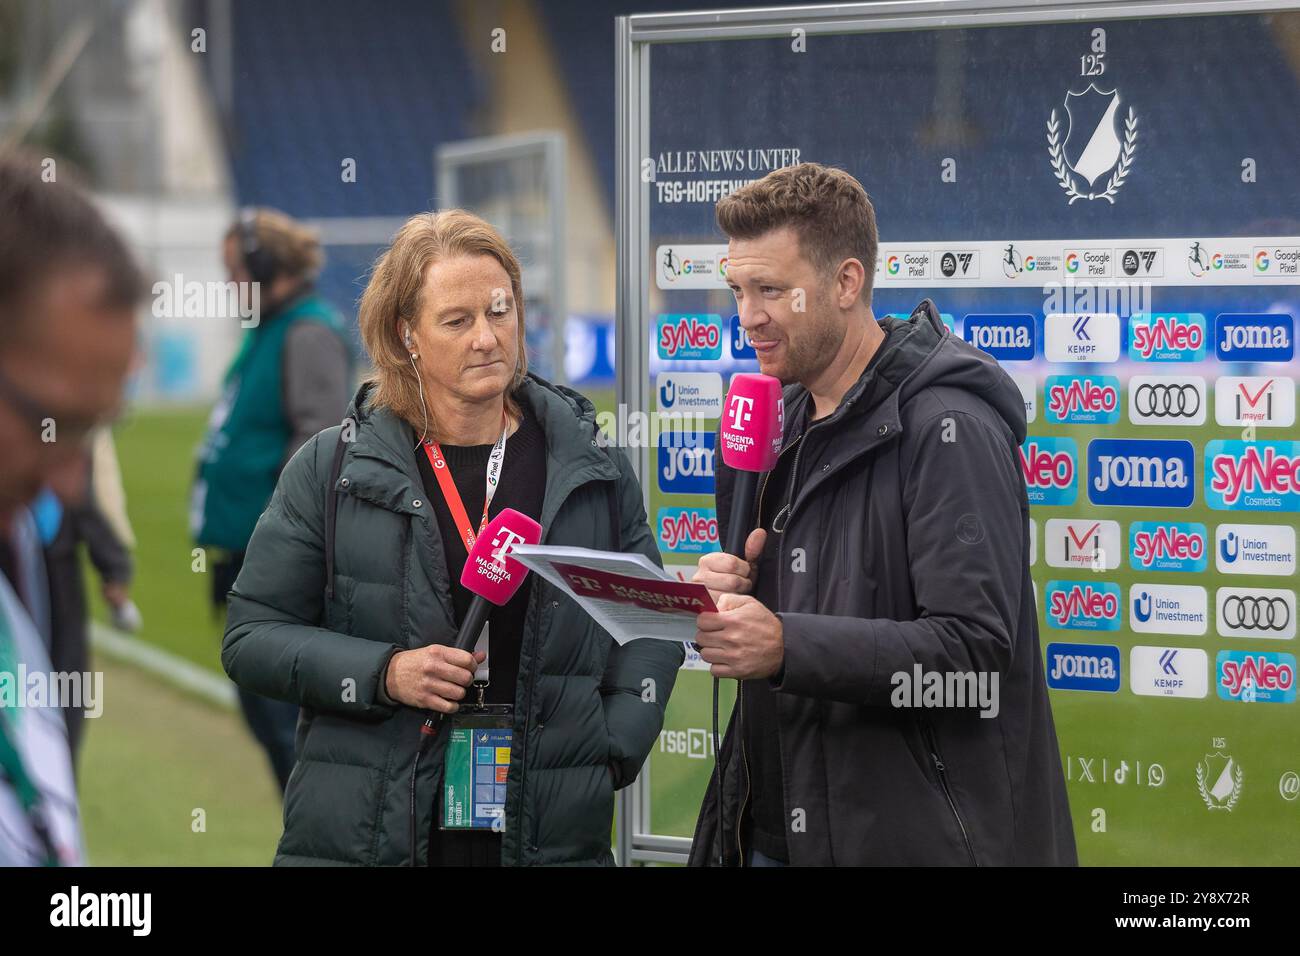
941	769
535	601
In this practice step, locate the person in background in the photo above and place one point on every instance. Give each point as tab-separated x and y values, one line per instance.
67	518
68	291
289	380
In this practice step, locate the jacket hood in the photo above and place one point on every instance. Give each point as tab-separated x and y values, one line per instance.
920	352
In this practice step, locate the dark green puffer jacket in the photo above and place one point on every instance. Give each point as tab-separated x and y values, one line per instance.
582	728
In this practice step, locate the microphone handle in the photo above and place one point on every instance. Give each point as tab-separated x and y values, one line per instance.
472	626
742	511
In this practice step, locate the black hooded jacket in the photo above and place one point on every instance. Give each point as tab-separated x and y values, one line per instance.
906	547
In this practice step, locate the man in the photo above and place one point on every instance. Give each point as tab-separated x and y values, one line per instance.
68	290
290	380
891	538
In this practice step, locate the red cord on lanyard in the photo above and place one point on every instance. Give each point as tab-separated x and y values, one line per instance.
440	470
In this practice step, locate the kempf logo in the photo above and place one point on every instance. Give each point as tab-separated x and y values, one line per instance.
1082	399
1166	337
687	530
1050	468
1006	337
1078	606
1254	337
1168	609
1168	546
1092	667
1254	400
1137	473
1267	613
1092	146
1256	677
1083	543
1166	400
1081	337
1255	549
1168	671
689	336
1252	476
686	462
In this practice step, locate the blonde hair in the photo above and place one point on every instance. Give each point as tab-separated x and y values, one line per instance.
393	296
293	247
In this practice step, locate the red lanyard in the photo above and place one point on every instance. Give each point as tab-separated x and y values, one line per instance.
448	485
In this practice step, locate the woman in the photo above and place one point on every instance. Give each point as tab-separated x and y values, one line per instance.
350	595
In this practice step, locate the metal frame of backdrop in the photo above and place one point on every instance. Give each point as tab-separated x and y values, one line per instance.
636	36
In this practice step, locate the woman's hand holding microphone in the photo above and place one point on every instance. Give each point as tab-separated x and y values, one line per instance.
432	678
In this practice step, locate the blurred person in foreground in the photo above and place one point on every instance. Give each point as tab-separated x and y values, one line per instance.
68	290
891	549
290	379
352	614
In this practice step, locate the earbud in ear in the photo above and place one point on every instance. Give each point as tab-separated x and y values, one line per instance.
407	334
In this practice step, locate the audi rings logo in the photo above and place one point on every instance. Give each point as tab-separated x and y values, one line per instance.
1256	613
1167	400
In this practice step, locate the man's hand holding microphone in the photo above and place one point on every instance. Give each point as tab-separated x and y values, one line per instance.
743	639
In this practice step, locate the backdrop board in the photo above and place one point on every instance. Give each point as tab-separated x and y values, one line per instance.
1105	198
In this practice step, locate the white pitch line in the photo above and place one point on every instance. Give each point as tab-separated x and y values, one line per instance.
174	670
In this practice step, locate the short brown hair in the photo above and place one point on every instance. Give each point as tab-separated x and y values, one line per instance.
293	248
393	296
47	227
827	208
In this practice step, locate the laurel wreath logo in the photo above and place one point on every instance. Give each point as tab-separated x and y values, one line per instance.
1066	181
1205	791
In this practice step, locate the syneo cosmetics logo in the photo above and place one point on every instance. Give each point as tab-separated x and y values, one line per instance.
1168	546
1256	677
1092	667
684	337
1252	476
1083	606
1050	468
1166	337
1082	399
1139	473
688	530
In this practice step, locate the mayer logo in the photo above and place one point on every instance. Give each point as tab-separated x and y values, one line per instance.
1081	337
1050	468
1168	546
1084	543
1255	549
1254	337
689	336
688	530
1166	337
1252	476
1254	400
1092	667
1267	613
1168	671
1168	609
1082	399
740	345
1006	337
1083	606
1138	473
686	462
1256	677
